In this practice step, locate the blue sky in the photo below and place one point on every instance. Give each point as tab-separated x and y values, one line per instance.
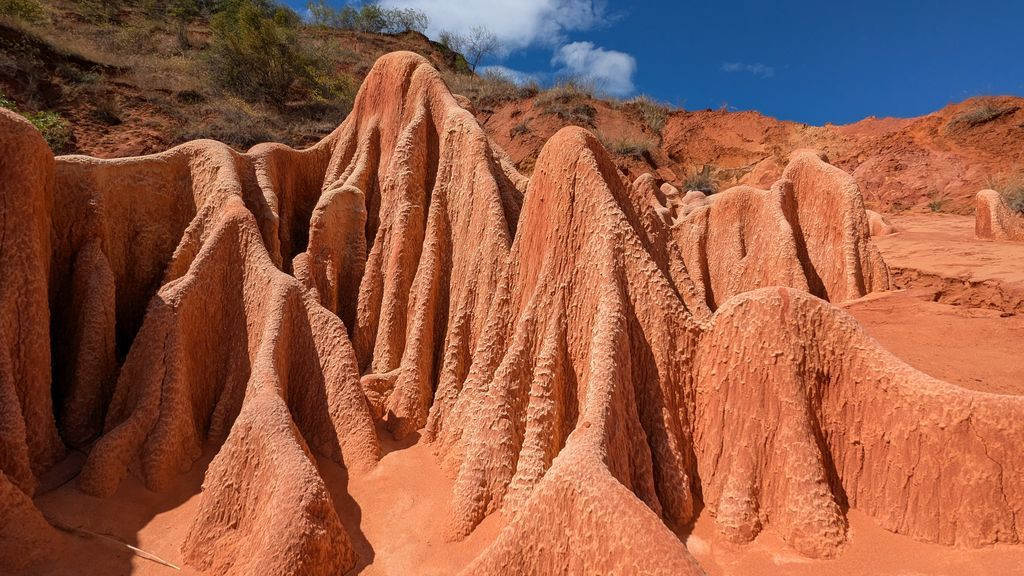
813	62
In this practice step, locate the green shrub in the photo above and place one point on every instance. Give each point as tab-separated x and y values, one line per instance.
27	10
55	130
701	181
256	53
369	18
936	202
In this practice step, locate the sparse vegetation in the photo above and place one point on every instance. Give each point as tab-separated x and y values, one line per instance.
108	110
520	128
983	112
569	101
653	113
476	44
1013	194
489	89
936	201
635	147
702	181
50	124
31	11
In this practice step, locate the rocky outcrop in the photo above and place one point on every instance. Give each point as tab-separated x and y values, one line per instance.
993	219
879	225
596	359
29	443
744	238
801	415
826	212
739	241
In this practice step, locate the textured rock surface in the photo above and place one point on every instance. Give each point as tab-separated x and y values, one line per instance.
878	224
993	219
597	360
29	443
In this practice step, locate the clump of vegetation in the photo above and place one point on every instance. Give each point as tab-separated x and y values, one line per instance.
233	122
51	125
490	88
31	11
653	113
1013	194
107	110
635	147
702	181
937	201
368	18
569	101
54	128
981	113
520	128
256	53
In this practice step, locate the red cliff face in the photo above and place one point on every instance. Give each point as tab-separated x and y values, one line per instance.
595	359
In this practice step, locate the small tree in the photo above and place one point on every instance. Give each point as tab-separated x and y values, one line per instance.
404	19
371	19
475	45
320	14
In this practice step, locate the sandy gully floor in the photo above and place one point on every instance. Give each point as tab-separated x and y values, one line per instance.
396	513
977	348
944	244
976	341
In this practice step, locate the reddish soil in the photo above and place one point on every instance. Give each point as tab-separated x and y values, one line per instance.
899	163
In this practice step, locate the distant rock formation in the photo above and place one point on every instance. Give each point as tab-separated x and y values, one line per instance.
583	354
993	219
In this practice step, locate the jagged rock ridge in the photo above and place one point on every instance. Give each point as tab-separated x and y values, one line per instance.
583	354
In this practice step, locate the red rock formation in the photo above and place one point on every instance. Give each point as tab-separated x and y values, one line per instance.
800	414
833	241
553	339
993	219
739	241
29	443
878	224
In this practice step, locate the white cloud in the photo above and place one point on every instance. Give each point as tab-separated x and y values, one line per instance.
517	76
757	69
518	24
610	71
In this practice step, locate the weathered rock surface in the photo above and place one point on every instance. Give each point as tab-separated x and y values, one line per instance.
879	225
583	354
993	219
